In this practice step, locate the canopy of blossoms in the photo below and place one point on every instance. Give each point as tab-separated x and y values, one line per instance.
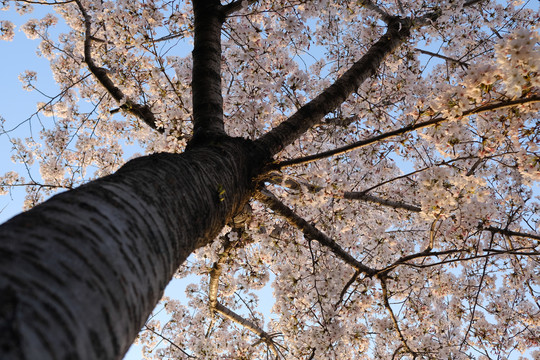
404	224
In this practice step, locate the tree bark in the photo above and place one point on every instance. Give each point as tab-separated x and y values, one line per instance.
80	273
206	81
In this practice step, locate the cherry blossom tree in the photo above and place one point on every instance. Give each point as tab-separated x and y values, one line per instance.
372	161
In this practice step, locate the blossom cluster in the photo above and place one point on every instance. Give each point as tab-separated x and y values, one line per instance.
443	214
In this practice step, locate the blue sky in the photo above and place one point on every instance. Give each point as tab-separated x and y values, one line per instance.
16	104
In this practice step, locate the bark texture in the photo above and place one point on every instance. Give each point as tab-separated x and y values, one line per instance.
206	83
99	257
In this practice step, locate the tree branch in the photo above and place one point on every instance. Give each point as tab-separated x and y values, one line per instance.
426	253
231	315
360	195
393	316
513	252
217	307
346	288
47	3
206	78
368	4
143	112
406	129
235	6
310	231
295	185
459	62
496	230
312	112
476	297
169	341
491	253
215	273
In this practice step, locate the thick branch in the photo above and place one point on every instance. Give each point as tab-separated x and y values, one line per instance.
506	232
231	315
406	129
377	200
143	112
206	81
310	231
368	4
291	184
235	6
312	112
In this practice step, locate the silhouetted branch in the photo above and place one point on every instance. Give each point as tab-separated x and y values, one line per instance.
47	3
459	62
510	232
368	4
346	288
296	185
169	341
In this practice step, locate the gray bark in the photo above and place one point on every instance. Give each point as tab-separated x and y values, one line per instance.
206	82
99	257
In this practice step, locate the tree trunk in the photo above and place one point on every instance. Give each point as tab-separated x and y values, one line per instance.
80	273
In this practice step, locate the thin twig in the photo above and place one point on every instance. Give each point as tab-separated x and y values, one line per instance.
346	288
459	62
169	341
426	253
393	316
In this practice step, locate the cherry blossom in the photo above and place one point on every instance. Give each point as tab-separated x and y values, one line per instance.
403	224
